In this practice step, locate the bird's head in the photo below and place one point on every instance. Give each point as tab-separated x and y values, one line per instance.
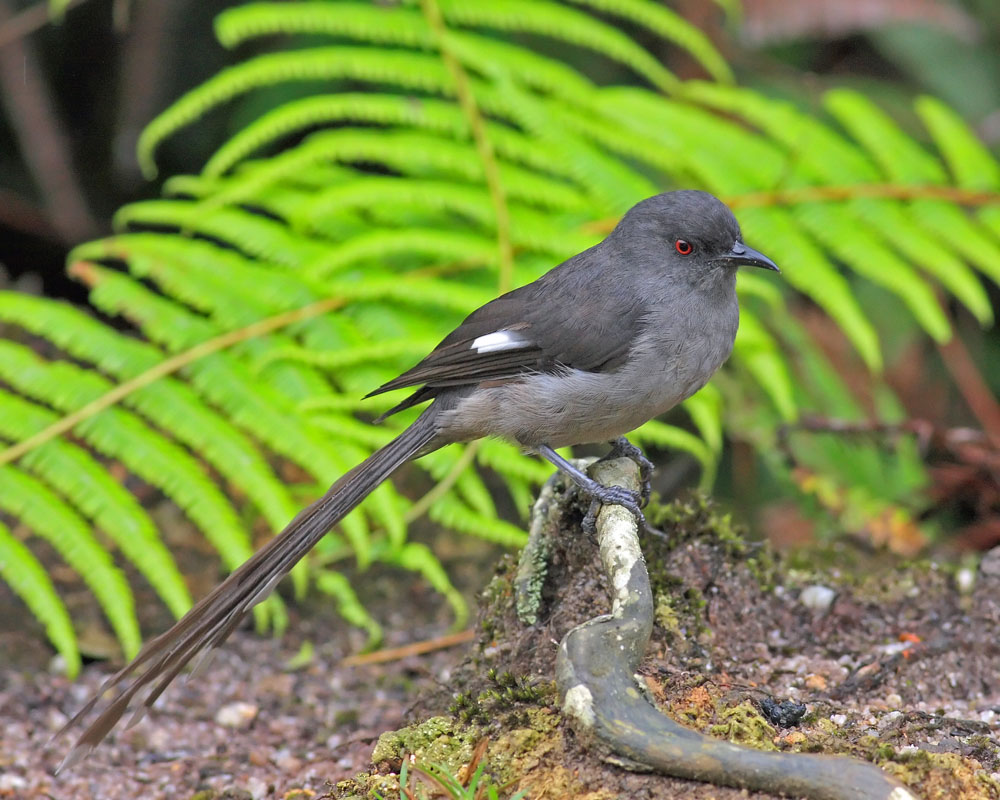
690	234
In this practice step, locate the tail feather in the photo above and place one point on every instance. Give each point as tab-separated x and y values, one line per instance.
216	615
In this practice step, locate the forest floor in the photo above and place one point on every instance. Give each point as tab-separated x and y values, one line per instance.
899	665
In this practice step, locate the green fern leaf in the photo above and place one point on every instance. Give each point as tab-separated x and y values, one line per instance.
79	478
410	70
121	435
27	499
660	434
970	162
670	25
21	571
453	513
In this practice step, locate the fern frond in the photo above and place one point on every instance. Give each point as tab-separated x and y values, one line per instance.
299	115
22	572
760	354
970	161
256	407
564	24
379	247
904	161
89	487
399	67
358	21
660	434
705	410
258	237
508	460
28	499
453	513
121	435
671	26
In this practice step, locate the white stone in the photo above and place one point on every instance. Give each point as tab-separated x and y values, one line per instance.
236	715
817	598
579	703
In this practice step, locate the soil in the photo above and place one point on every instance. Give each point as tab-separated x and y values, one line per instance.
898	664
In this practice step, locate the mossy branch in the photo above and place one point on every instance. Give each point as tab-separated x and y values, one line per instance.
595	670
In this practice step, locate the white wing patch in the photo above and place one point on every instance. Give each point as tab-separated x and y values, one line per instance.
499	340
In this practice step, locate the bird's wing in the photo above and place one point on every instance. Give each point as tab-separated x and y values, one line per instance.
516	335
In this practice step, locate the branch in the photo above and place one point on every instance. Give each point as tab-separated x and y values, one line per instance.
595	674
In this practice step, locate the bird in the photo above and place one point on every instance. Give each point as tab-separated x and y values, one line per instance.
605	341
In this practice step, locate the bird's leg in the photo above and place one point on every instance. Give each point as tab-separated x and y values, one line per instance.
605	495
623	448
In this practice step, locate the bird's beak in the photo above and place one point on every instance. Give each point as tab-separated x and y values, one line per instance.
744	256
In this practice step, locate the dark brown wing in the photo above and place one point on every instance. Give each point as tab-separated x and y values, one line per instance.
554	323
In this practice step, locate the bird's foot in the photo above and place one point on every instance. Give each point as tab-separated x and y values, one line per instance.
600	493
623	448
615	496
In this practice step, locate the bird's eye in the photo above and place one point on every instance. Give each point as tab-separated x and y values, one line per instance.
685	248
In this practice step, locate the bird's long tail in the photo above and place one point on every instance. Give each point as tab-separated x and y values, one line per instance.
216	615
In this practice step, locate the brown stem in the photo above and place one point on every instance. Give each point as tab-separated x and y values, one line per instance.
970	383
814	194
26	22
43	145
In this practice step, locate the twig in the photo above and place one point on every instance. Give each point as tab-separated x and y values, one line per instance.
415	649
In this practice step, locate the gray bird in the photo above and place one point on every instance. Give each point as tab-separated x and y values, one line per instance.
594	348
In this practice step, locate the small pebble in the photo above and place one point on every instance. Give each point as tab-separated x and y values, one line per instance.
285	761
257	788
893	700
236	715
9	782
989	566
965	580
887	719
838	719
160	739
57	665
817	682
817	599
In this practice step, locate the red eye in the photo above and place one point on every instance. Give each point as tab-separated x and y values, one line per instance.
683	247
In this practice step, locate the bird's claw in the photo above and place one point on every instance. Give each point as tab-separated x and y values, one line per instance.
623	448
617	496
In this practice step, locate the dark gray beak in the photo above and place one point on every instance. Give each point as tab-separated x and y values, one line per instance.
744	256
